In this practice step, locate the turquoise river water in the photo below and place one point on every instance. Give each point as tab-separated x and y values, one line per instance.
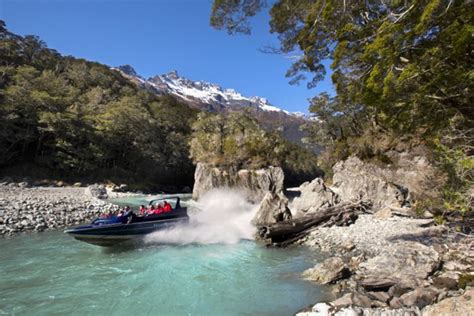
52	274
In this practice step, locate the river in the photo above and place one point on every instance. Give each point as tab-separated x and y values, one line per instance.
50	273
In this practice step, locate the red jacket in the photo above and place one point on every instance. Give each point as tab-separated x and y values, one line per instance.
159	210
167	207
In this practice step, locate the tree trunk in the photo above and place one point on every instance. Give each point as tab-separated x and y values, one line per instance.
283	233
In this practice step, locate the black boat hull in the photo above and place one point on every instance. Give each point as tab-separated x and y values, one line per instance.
113	234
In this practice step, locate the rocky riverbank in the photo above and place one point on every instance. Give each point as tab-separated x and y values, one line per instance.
393	266
388	258
24	208
390	261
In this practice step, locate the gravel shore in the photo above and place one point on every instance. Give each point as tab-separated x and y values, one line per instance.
41	208
392	265
372	236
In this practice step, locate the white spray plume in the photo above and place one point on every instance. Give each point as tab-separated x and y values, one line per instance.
221	216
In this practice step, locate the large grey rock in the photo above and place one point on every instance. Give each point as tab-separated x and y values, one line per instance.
354	180
419	297
254	183
314	195
407	264
96	191
273	209
330	270
416	172
454	306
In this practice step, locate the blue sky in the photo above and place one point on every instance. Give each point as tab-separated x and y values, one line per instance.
156	37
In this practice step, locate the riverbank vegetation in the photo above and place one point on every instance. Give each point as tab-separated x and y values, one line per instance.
402	72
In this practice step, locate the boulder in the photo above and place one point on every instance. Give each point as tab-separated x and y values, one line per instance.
329	271
96	191
419	297
454	306
405	264
120	188
355	180
379	296
273	209
314	195
24	184
415	171
343	301
447	281
254	183
320	309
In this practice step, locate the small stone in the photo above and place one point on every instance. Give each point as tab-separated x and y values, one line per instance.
348	245
384	213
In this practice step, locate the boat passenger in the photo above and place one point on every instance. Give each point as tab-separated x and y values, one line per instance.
142	210
167	207
159	209
128	215
150	210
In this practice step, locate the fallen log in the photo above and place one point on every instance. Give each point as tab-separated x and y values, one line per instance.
282	233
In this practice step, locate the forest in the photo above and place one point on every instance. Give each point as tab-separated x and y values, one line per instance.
402	72
67	118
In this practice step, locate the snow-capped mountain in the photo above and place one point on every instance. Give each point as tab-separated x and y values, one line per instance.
212	97
203	92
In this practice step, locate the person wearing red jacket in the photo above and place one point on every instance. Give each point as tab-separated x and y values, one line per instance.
167	207
159	209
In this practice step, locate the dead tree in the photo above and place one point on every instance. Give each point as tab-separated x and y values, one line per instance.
289	231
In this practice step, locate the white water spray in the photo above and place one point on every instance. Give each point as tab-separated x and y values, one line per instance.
222	216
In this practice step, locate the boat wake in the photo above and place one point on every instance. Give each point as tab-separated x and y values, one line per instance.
221	216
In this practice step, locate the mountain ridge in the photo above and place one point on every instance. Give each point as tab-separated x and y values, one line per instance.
212	97
204	91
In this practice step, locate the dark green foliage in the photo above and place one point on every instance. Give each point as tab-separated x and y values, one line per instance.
402	69
81	119
465	280
236	139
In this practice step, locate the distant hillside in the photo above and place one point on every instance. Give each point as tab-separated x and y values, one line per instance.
70	118
211	97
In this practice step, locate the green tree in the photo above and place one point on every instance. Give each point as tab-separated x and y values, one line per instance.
72	118
236	139
400	68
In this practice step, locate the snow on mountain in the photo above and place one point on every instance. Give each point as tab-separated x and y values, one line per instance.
212	95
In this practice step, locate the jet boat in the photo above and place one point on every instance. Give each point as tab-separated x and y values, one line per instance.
118	229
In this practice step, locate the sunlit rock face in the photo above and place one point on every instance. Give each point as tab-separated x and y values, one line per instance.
354	179
255	184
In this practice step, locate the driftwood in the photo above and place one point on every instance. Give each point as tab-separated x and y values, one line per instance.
289	231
